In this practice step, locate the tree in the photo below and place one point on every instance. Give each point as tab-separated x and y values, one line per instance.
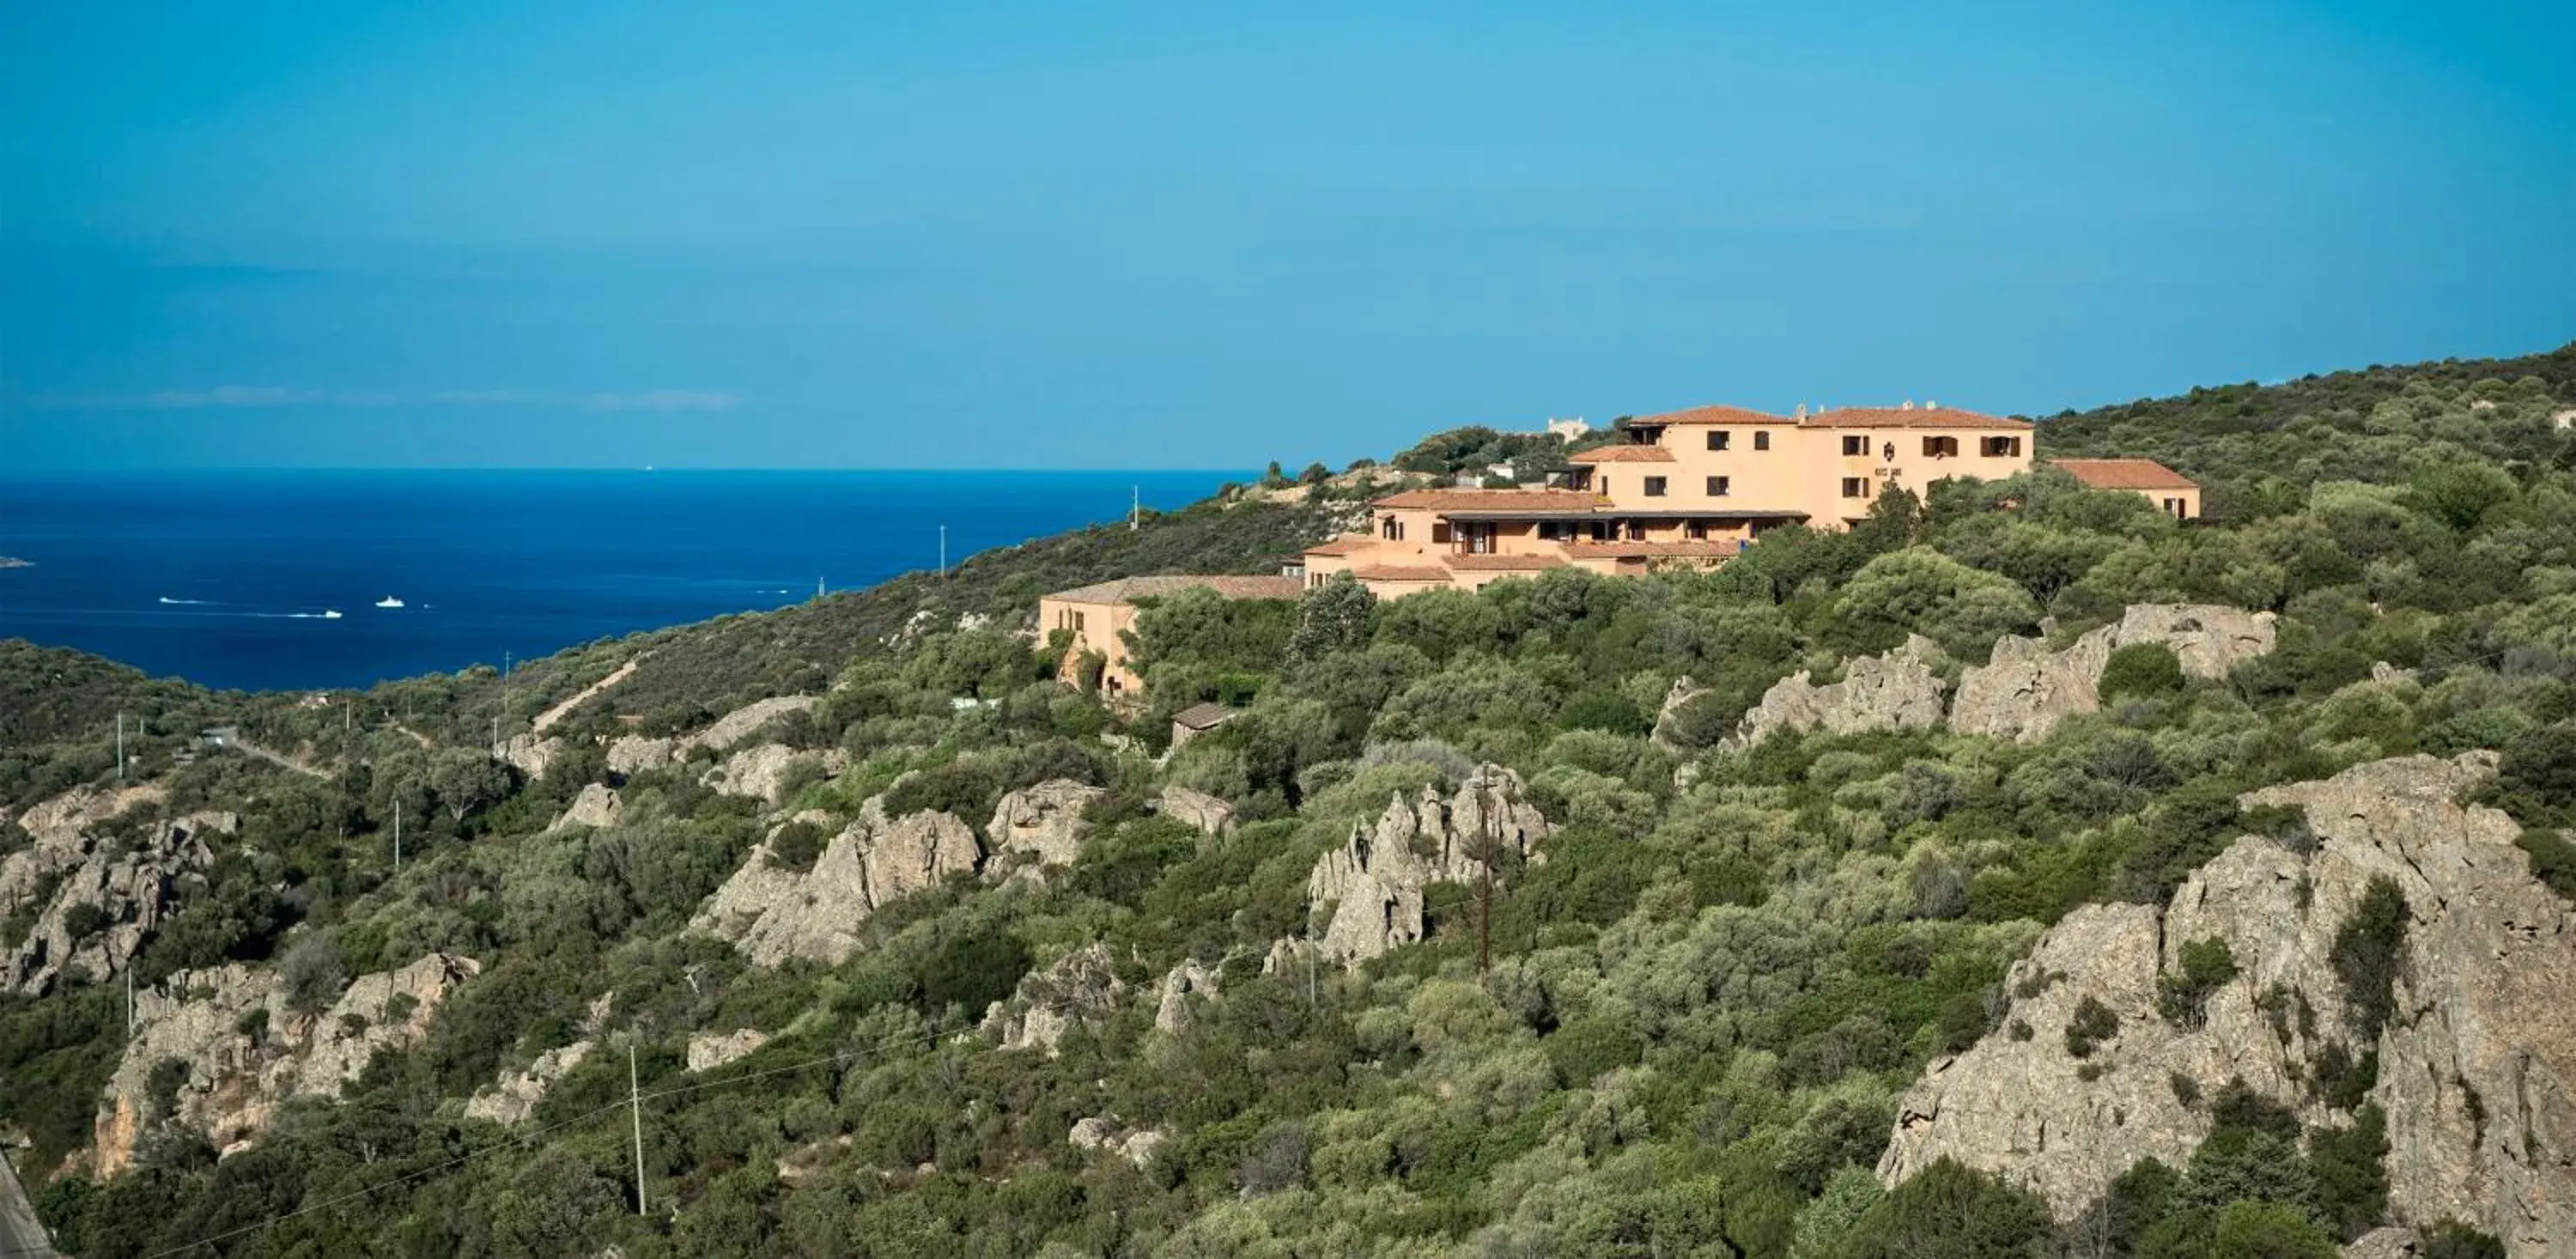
1331	617
1948	1211
1919	589
467	781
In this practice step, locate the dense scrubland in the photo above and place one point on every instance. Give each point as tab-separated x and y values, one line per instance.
1701	1002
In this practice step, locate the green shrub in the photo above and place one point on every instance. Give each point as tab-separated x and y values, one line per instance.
2368	955
2351	1166
2451	1239
2183	997
796	846
2553	859
2093	1024
1951	1211
2143	670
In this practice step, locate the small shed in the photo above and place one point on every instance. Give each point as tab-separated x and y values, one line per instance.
219	736
1198	719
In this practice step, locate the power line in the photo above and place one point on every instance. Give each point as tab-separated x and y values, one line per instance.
526	1138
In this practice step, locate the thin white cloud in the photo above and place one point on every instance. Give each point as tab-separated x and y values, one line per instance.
663	400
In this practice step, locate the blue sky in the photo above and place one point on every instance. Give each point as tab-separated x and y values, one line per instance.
1195	235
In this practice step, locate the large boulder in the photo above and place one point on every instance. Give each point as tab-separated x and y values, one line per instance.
530	754
1044	820
772	912
762	772
1365	897
1081	987
1172	1005
106	897
597	806
244	1049
2024	689
1207	814
513	1097
1896	691
636	754
2477	1069
709	1050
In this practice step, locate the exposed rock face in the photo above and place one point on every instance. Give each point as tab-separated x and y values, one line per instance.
2485	1028
1189	979
1105	1134
123	892
83	807
514	1097
711	1050
2385	1243
761	772
746	721
1896	691
1683	690
1211	815
1366	896
528	753
772	913
1082	986
1045	819
636	754
596	806
2025	689
238	1070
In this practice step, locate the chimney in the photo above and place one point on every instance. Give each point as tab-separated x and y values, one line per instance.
1930	405
1802	410
1909	405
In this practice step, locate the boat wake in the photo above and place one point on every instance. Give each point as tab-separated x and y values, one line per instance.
188	603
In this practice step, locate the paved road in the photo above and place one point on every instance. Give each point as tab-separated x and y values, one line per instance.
20	1236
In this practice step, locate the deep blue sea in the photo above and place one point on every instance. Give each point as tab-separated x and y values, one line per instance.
227	579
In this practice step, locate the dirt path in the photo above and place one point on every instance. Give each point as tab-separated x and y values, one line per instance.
278	759
588	693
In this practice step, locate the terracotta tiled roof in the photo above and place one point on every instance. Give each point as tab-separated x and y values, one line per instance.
1204	716
1904	417
1494	500
1394	572
1622	454
1711	415
1651	550
1230	587
2125	474
1345	545
1502	563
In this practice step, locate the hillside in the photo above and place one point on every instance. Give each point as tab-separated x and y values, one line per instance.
2019	873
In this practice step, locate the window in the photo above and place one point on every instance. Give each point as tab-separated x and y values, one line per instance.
1392	529
1854	444
2000	447
1718	485
1636	531
1941	447
1855	487
1761	439
1654	487
1440	531
1717	438
1696	530
1603	531
1605	487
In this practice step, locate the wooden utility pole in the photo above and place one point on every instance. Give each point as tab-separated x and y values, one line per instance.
635	1103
